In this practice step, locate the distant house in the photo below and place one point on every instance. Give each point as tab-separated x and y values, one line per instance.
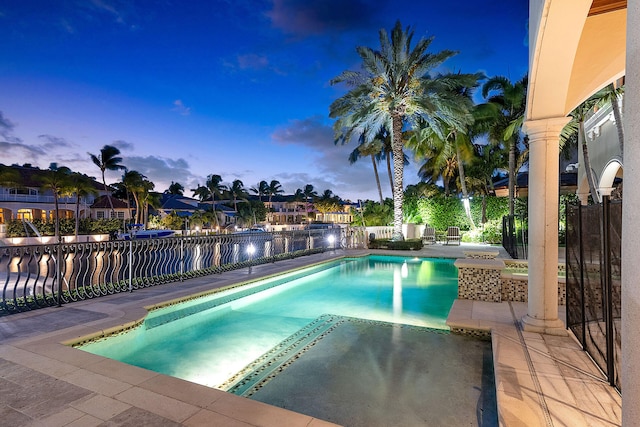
26	200
287	210
185	207
101	208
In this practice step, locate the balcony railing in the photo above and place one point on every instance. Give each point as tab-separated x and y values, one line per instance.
28	198
38	276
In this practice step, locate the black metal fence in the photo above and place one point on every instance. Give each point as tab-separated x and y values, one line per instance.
37	276
514	236
593	282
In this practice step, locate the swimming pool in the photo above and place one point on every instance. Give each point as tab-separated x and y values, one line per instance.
212	339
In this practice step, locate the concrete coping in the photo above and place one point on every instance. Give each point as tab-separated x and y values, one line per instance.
482	263
481	254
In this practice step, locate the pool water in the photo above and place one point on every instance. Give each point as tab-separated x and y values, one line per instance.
210	339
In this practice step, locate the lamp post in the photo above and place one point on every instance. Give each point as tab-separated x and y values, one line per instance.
250	250
332	239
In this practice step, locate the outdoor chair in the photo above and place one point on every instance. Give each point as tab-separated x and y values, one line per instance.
429	235
453	235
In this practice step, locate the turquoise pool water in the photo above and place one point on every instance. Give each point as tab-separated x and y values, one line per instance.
210	339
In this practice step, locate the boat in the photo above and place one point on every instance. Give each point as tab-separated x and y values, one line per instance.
137	231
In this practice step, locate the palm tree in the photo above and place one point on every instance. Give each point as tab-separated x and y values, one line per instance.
394	91
237	191
175	189
275	188
501	117
148	198
82	186
107	160
574	130
56	179
216	188
134	183
262	189
373	149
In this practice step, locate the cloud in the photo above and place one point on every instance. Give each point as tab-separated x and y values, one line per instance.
252	60
122	145
180	108
162	171
310	132
18	150
308	17
6	129
333	170
51	142
109	7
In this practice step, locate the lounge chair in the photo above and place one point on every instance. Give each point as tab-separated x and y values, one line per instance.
429	235
453	235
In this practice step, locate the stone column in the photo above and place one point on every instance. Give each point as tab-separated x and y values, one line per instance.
630	223
544	181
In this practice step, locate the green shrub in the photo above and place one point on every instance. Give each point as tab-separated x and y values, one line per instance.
402	245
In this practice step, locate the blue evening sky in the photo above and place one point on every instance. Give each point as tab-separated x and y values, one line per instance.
238	88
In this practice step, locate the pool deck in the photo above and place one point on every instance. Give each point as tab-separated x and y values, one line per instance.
540	380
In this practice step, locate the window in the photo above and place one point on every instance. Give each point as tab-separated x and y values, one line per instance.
100	214
120	215
25	214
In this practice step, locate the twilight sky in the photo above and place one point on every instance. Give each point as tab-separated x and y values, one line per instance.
238	88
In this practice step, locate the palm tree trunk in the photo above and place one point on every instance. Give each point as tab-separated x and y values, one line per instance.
463	187
398	171
213	209
587	163
375	171
104	182
137	202
389	172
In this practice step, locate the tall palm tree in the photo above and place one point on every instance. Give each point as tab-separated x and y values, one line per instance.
148	198
108	159
56	179
262	189
82	186
134	183
310	194
372	149
394	91
501	118
237	191
275	188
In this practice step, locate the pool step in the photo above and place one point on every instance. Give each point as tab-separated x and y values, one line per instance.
255	375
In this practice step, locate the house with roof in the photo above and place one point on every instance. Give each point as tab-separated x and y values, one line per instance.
22	197
185	207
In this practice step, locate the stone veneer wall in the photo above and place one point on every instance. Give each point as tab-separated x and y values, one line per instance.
479	279
483	278
516	289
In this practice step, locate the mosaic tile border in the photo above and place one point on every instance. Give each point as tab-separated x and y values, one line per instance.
268	366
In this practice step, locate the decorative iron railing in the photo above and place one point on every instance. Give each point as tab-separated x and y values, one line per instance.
37	276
